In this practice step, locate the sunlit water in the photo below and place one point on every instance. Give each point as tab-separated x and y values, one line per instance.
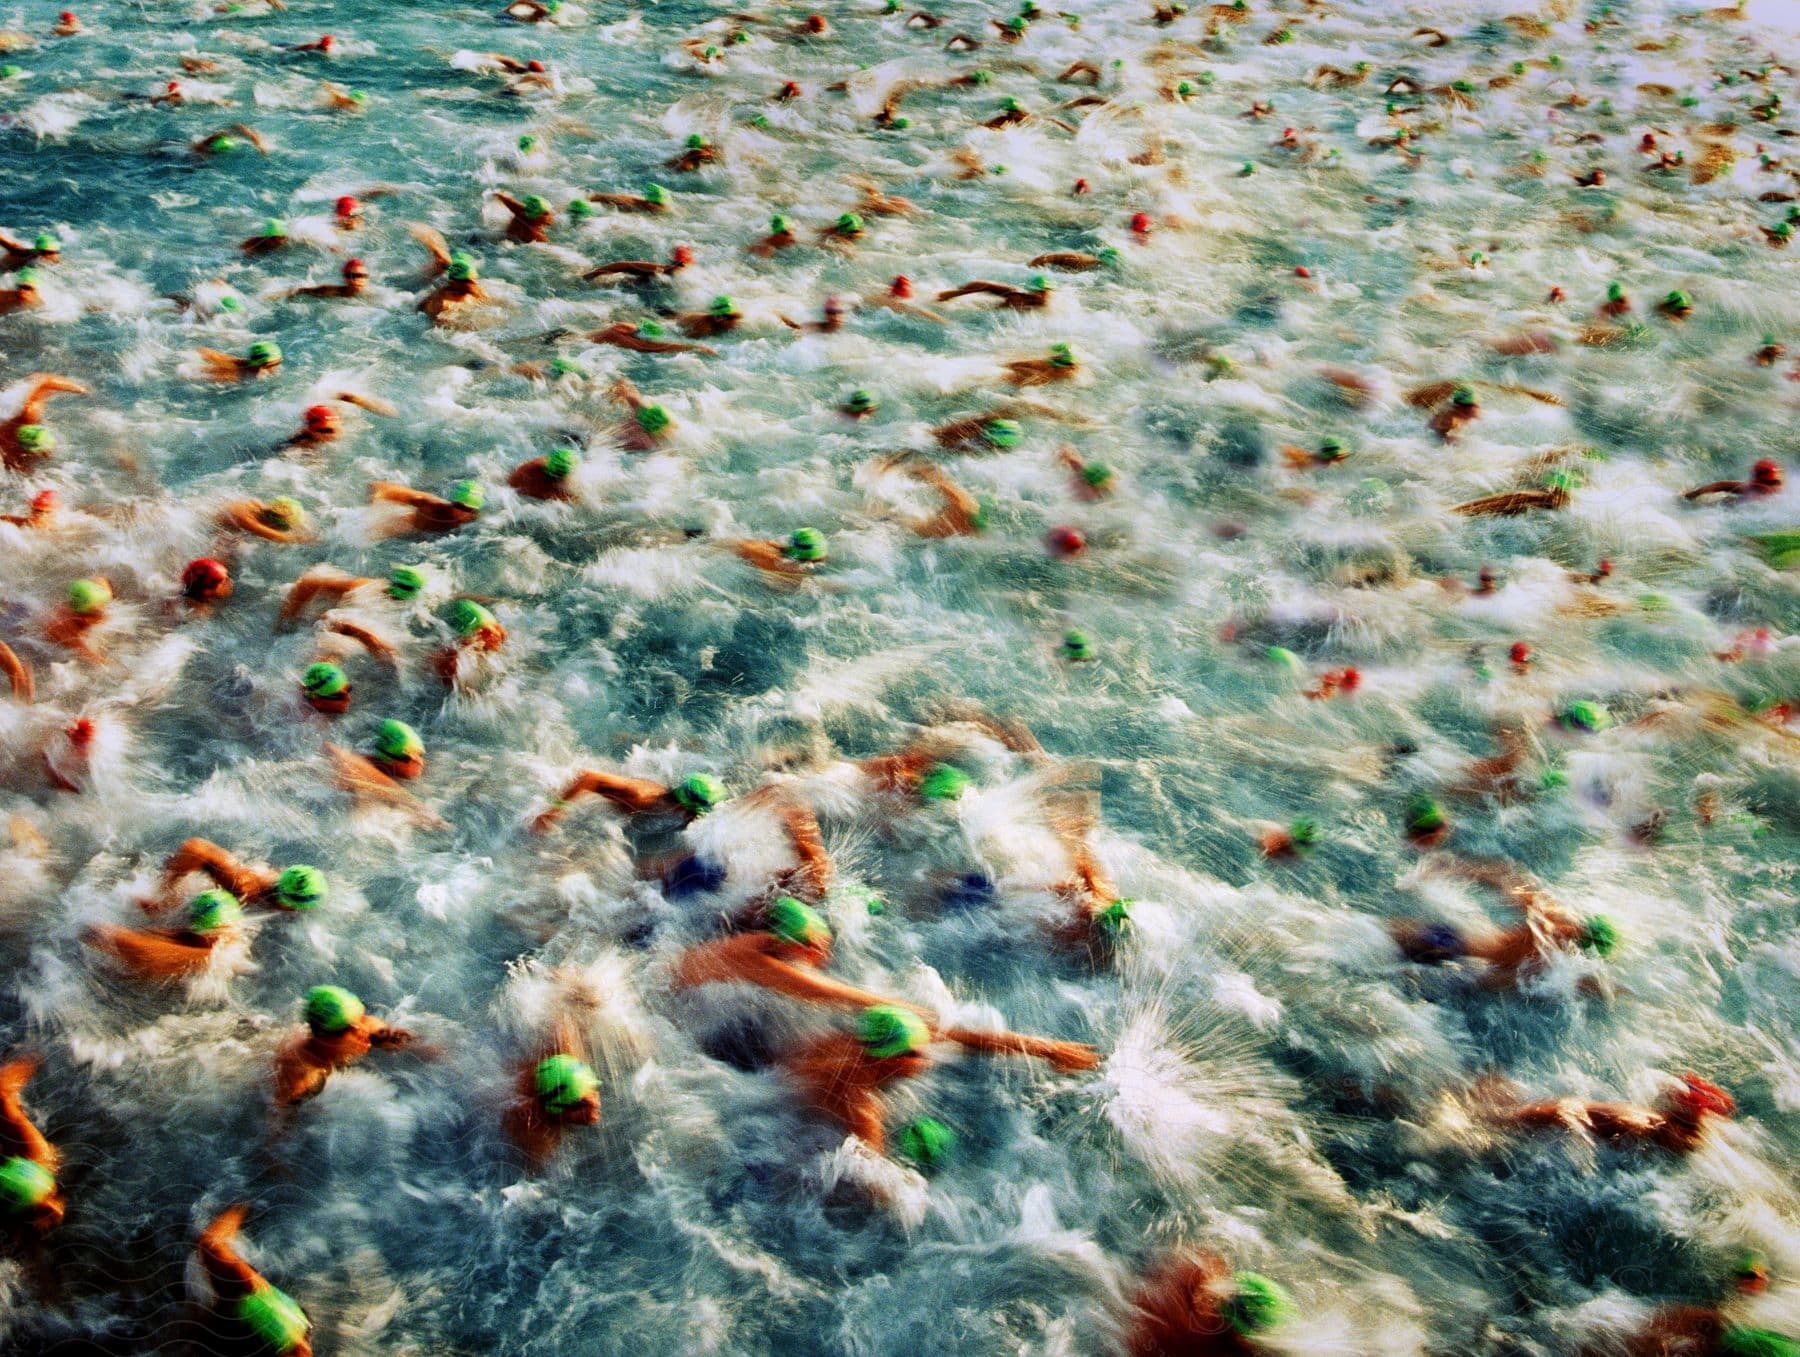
1281	1087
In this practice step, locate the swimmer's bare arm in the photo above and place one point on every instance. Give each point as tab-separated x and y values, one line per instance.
229	1274
1714	488
246	515
1067	1057
249	134
17	1133
365	638
434	245
43	386
18	674
391	492
978	286
202	855
629	794
311	586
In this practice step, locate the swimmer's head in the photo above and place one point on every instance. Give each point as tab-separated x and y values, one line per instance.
205	578
265	353
901	286
461	268
1039	283
860	402
1424	815
1332	450
1114	921
273	229
527	144
27	279
1011	104
35	438
559	462
580	207
1677	300
1255	1305
1464	397
324	680
1063	356
1741	1340
212	911
780	224
723	307
274	1318
943	782
535	207
319	417
331	1010
469	617
1599	935
656	195
1303	833
405	582
395	740
562	1083
798	923
1076	645
1750	1271
848	224
1585	715
1002	433
806	544
887	1031
25	1186
45	243
301	887
653	419
346	206
926	1141
699	792
1697	1098
682	256
1766	473
468	495
89	597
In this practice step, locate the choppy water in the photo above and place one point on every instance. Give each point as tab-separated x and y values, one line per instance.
1280	1088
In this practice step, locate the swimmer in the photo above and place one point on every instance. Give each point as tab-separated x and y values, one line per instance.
785	958
40	514
19	679
375	778
554	1091
429	513
1707	1330
546	477
278	520
242	1308
1678	1123
1090	481
356	282
25	437
720	317
698	151
844	1075
531	11
961	514
294	889
898	297
225	140
687	800
320	424
1553	495
1765	479
877	202
831	323
461	286
1195	1306
645	336
1033	297
84	608
477	631
339	1033
44	249
24	294
1456	405
650	423
654	198
781	237
529	219
273	236
793	559
158	955
846	230
1074	261
1062	365
325	582
261	359
31	1200
643	270
1512	954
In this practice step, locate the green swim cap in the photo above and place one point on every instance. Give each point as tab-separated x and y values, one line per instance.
1077	646
699	792
1740	1340
212	910
265	353
1097	474
1062	356
1463	396
1332	450
780	225
469	617
722	306
468	495
1424	815
87	597
24	1184
560	462
222	142
979	77
285	512
273	228
1115	920
798	923
1678	300
1185	88
397	740
1016	24
861	401
330	1010
461	268
653	419
943	782
1585	715
1039	282
886	1031
1599	935
695	141
807	544
1615	292
302	887
1011	105
31	277
229	301
657	195
274	1317
926	1141
404	582
528	143
848	223
534	206
1257	1304
1108	254
36	438
580	207
1751	1264
11	71
324	679
1284	657
1002	433
562	1081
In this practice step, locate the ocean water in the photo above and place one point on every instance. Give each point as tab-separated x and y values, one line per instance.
1278	1086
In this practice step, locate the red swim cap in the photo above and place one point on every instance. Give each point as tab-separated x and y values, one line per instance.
535	65
1520	652
325	43
901	286
1766	472
1140	223
319	415
1081	186
1697	1097
67	16
174	87
815	23
1301	271
81	732
43	502
203	577
355	268
1350	679
348	206
684	255
1066	541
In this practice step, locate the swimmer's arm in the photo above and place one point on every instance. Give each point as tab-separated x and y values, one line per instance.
309	587
365	638
1714	488
511	204
978	286
243	516
809	844
16	246
369	403
434	244
1068	1057
229	1274
810	987
202	855
17	672
627	793
17	1133
393	493
250	134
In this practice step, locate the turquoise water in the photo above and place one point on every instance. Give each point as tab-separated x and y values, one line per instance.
1279	1086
